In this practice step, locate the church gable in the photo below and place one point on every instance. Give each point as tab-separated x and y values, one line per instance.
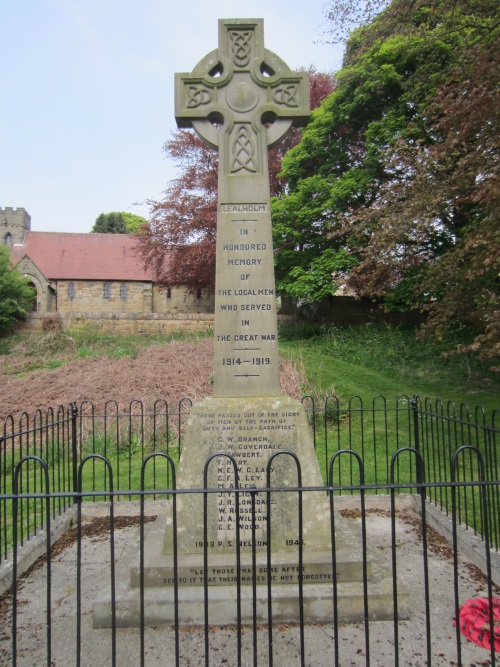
45	295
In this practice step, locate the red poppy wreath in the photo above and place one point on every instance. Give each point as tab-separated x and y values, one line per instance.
475	622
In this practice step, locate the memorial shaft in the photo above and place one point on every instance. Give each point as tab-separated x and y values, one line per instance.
246	336
243	99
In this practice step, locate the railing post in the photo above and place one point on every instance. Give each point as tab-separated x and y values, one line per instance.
74	449
416	433
414	409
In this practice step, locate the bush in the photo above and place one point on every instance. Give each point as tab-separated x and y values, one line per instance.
17	296
52	323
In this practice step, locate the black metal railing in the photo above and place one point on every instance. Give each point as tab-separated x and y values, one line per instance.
436	430
37	632
125	437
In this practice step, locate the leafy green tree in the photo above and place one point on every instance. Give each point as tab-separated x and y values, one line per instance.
16	294
393	189
133	222
118	223
109	223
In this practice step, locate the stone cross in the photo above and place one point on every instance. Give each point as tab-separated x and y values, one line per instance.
242	99
247	437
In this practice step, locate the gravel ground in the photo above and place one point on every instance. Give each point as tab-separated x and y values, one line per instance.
319	639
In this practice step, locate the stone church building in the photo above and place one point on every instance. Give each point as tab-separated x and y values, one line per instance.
97	278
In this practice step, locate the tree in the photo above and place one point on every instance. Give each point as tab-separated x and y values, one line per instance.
344	16
394	186
16	294
118	223
109	223
133	222
178	244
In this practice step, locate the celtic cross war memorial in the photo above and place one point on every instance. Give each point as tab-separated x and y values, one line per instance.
240	540
243	99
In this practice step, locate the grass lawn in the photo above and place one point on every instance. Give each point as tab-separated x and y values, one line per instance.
368	360
364	360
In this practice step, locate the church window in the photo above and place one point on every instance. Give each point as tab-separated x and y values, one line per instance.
169	293
123	291
7	239
107	291
198	293
71	290
34	302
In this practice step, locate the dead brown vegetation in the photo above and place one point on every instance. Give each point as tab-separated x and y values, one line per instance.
171	372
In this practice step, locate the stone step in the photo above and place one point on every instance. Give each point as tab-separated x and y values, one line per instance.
159	604
318	595
222	569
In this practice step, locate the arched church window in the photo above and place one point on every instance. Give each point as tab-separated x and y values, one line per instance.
169	293
34	303
7	239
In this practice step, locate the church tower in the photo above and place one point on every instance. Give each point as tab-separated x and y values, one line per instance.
14	223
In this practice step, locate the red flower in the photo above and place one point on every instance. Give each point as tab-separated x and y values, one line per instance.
474	618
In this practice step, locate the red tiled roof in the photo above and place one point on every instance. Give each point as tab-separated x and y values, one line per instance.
61	256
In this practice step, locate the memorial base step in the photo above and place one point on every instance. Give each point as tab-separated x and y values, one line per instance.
159	607
317	589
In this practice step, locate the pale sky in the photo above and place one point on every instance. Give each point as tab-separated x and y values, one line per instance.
87	97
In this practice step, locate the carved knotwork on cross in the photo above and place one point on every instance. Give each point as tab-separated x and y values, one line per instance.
242	98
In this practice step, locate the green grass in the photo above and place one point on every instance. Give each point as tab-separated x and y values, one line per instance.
364	360
126	460
368	360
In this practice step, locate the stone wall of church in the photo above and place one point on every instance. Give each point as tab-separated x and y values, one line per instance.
127	324
175	300
95	296
119	307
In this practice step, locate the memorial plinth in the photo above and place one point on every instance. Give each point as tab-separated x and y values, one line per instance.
249	433
253	529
